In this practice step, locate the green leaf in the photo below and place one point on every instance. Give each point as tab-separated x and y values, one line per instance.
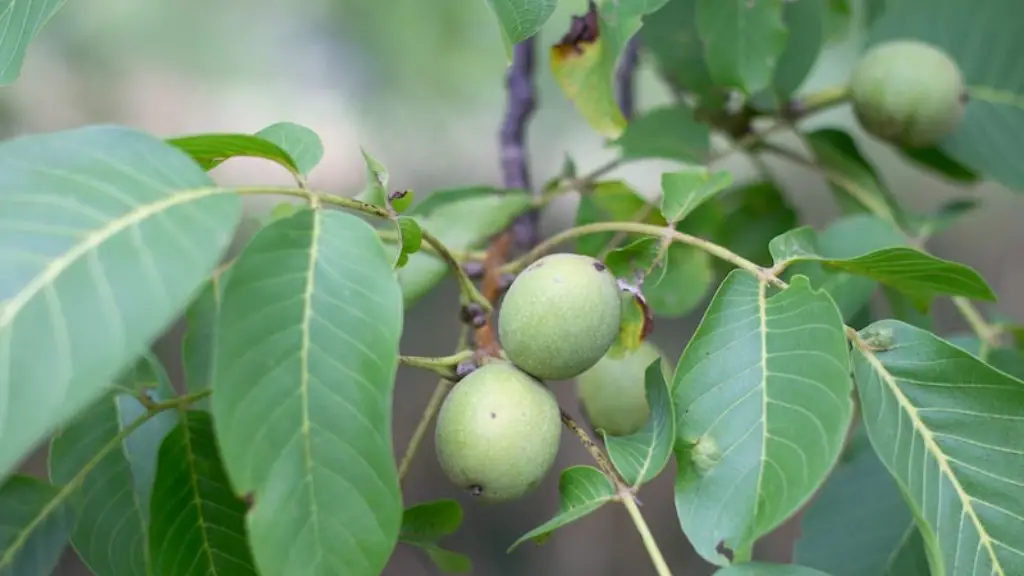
440	198
305	361
937	161
873	9
584	67
995	86
400	200
669	133
743	40
461	225
411	237
113	494
755	213
670	35
283	210
680	277
859	523
805	20
862	190
583	490
21	21
520	19
34	527
198	342
376	190
684	191
768	569
948	214
921	276
947	427
762	400
211	150
838	20
426	523
611	200
106	231
301	143
848	237
641	456
198	524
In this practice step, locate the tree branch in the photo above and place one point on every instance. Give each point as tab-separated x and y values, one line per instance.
520	107
625	76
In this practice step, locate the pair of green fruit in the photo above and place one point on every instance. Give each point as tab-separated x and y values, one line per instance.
499	430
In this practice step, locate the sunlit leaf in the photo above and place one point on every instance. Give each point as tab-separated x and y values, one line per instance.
641	456
520	19
106	231
21	21
424	524
211	150
583	490
859	523
301	143
113	494
995	86
434	201
411	238
947	427
762	400
34	528
305	360
198	523
670	133
584	61
743	40
685	190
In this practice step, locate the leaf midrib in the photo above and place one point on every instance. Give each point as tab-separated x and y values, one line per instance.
304	347
940	457
190	458
92	240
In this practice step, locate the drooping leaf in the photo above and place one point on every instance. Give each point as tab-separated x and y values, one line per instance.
424	524
848	237
301	143
947	427
805	21
520	19
743	41
583	490
198	523
685	190
859	523
754	214
461	225
112	477
584	61
768	569
212	150
669	133
641	456
917	274
995	86
34	527
670	35
198	342
612	200
21	21
762	400
857	186
305	360
106	231
636	324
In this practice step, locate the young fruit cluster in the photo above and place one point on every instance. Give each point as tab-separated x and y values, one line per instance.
498	431
908	92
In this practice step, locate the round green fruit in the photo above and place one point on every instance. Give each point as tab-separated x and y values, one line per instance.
498	432
560	316
908	92
612	394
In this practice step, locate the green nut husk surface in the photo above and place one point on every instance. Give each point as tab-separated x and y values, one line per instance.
612	393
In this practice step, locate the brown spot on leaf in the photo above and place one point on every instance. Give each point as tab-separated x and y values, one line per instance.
724	550
583	30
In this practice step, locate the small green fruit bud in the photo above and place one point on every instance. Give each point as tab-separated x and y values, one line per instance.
560	316
612	393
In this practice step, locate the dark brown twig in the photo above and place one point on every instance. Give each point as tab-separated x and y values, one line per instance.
514	167
625	77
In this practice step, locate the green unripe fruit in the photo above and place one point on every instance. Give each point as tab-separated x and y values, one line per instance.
908	92
612	393
498	432
560	316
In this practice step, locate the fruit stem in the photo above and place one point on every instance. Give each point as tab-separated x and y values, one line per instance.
442	365
822	99
987	333
595	452
645	534
433	405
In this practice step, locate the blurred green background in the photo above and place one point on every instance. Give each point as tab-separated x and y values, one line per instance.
420	85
